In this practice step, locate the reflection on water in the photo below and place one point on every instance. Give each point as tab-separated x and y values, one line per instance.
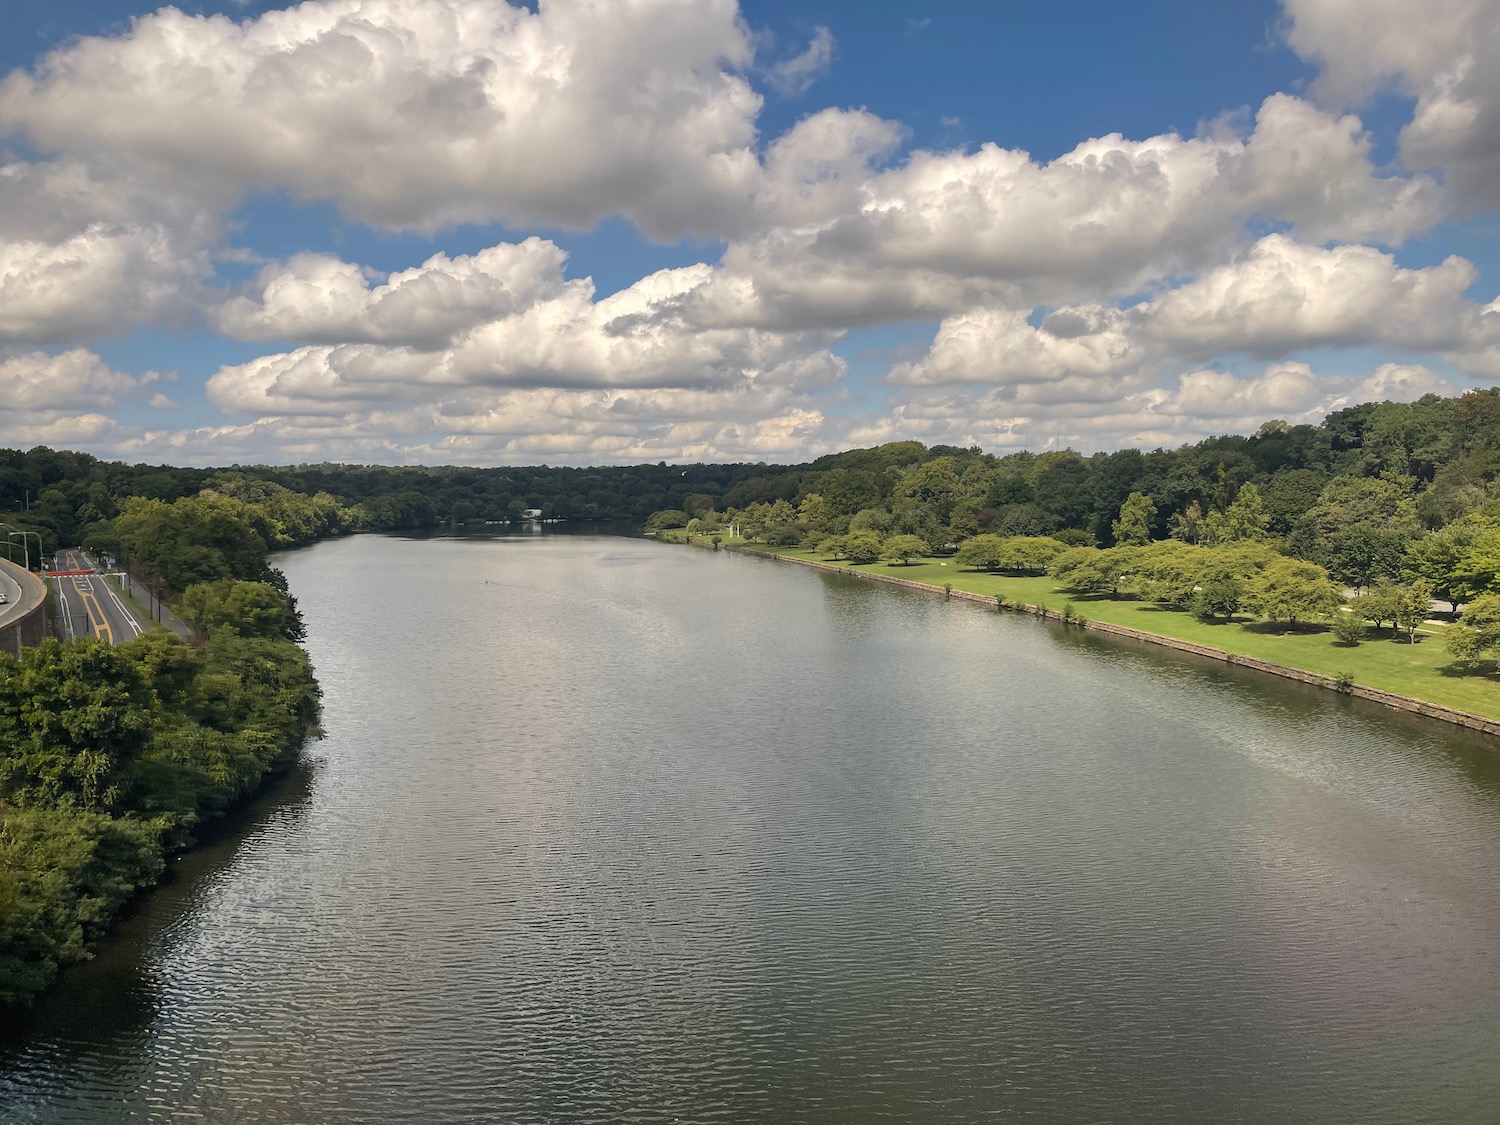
607	831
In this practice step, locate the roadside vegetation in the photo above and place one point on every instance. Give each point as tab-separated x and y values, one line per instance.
111	756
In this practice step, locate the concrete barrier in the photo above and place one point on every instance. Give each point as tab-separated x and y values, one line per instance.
1374	695
26	623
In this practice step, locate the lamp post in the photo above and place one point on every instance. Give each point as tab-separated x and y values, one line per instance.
25	544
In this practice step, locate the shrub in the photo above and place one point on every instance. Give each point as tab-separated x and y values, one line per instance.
1348	628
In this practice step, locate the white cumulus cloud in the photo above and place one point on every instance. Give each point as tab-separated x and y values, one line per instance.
421	113
1443	53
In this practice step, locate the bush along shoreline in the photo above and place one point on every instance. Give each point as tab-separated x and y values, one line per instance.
111	756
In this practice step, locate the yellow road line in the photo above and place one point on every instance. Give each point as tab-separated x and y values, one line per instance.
95	614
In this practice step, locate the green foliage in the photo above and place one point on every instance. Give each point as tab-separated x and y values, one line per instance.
109	755
903	548
1245	519
1379	604
1413	607
1293	592
248	609
1475	637
877	520
1093	570
669	517
1348	628
982	552
862	546
1133	527
64	872
1220	597
201	538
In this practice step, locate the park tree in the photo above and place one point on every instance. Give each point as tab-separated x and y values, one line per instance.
877	520
815	513
862	546
1475	637
1245	519
662	520
1032	554
1187	525
1413	606
1093	570
1364	553
903	548
834	546
1477	570
1438	557
1379	604
982	552
1220	597
934	485
1292	591
1133	527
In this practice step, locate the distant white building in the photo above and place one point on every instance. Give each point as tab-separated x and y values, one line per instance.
532	514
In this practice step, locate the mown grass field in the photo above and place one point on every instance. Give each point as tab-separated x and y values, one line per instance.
1423	670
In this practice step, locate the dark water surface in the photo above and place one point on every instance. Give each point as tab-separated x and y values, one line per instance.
605	831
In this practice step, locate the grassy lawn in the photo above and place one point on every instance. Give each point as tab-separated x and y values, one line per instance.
1421	671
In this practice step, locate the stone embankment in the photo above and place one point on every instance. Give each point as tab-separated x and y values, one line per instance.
1374	695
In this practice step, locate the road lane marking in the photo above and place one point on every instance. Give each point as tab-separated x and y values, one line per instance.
95	614
125	614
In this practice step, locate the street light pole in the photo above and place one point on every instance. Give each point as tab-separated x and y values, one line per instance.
25	545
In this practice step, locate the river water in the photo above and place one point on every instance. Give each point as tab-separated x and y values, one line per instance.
607	831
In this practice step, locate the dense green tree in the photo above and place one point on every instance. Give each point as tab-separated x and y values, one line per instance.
982	552
1093	570
1245	519
1293	592
1413	606
250	609
1133	527
903	548
862	546
1475	637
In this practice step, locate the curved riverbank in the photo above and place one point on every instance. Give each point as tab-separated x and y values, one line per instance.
1399	702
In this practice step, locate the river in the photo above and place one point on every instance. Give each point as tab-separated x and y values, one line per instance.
608	831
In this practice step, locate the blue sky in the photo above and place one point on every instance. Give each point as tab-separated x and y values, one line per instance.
806	226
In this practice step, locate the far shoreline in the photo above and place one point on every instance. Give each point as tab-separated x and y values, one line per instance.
1396	701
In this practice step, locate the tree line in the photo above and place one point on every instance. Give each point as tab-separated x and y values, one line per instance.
1398	502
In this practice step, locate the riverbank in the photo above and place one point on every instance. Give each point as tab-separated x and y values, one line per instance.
164	737
1415	678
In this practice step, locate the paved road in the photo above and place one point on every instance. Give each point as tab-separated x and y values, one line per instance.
90	606
12	591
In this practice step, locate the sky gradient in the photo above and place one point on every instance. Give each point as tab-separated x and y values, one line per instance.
614	231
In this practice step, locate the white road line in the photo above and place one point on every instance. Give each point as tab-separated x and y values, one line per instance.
62	596
124	612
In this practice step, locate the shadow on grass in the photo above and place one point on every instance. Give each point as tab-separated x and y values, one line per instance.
1487	670
1281	629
